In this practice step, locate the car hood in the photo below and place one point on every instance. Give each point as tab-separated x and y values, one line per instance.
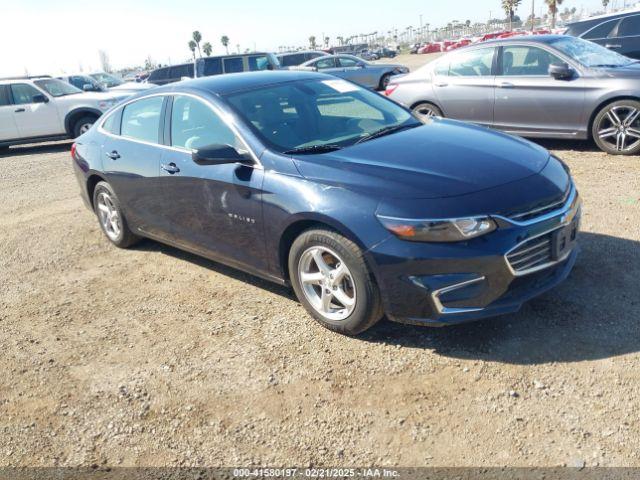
99	96
443	158
630	71
132	86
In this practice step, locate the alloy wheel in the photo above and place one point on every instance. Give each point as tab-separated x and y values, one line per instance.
85	127
327	283
619	128
109	216
425	112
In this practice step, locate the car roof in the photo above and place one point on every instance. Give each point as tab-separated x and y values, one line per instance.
235	82
301	52
521	38
607	16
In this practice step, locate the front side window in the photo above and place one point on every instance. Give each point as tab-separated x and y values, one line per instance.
23	93
195	125
474	63
258	63
629	27
4	96
79	81
527	61
141	119
325	63
107	80
590	54
317	113
292	60
57	88
233	65
347	62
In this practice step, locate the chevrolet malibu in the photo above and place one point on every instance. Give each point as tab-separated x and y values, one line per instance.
315	182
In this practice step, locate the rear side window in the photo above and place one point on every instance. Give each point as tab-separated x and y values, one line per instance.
347	62
23	93
181	71
160	74
141	119
258	63
4	96
326	63
233	65
476	63
212	66
629	27
601	31
292	60
112	123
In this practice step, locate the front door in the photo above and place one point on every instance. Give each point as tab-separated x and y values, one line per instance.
464	85
34	119
215	210
8	129
355	71
529	100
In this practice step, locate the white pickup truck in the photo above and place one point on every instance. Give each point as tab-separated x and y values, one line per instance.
42	109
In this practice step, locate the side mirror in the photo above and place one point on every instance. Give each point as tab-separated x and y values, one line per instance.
361	65
561	71
218	155
39	98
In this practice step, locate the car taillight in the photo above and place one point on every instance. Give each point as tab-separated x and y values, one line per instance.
73	151
390	89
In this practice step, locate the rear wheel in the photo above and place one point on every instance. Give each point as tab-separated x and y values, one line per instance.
616	128
83	125
425	111
112	221
384	81
332	281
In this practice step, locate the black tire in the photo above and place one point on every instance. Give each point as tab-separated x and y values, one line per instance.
125	237
82	123
419	111
384	81
368	305
609	135
4	149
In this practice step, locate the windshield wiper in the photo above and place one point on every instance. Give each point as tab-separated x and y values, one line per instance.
314	149
386	131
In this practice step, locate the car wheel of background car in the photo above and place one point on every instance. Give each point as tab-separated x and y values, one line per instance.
426	110
112	220
384	81
332	281
83	125
616	128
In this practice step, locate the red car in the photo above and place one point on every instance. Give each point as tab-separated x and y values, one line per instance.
431	48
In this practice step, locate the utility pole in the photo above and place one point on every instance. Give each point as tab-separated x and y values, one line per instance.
533	14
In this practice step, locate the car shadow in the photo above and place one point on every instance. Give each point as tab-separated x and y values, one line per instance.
572	145
594	314
34	149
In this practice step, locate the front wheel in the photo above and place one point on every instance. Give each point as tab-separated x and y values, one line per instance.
384	81
83	125
332	281
616	128
426	111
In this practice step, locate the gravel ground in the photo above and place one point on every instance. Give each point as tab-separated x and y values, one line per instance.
154	357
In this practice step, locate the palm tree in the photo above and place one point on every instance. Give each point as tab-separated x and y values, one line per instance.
225	42
553	10
605	4
326	41
207	49
197	37
510	7
192	47
312	42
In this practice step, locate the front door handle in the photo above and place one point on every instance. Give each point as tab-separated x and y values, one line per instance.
113	155
19	110
610	45
441	84
505	85
170	168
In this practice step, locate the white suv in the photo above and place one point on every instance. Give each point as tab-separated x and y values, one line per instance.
43	108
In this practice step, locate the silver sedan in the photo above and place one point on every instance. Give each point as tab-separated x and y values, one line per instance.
371	75
549	86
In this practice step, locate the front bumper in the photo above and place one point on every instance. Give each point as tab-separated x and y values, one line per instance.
445	284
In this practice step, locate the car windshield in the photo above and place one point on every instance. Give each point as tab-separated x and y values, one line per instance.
108	80
91	81
590	54
57	88
319	115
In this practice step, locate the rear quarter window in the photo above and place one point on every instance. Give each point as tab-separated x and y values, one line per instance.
4	96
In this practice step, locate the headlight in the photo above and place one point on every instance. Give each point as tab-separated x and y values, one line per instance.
438	230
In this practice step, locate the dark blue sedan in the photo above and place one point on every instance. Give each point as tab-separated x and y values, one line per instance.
315	182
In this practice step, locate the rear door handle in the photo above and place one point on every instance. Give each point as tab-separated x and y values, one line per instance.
610	45
19	110
505	85
113	155
170	168
440	84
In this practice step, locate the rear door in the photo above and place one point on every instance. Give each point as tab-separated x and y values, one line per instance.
8	128
34	119
627	37
529	101
357	72
464	85
131	161
601	32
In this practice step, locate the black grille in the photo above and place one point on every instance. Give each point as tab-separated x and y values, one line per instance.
532	253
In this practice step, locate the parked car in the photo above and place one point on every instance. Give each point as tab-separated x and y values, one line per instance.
293	59
415	48
547	86
434	47
88	83
44	108
349	67
208	66
386	52
117	84
368	55
619	32
312	181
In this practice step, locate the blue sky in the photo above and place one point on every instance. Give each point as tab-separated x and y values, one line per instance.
55	36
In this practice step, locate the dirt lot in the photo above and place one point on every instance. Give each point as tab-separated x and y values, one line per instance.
156	357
